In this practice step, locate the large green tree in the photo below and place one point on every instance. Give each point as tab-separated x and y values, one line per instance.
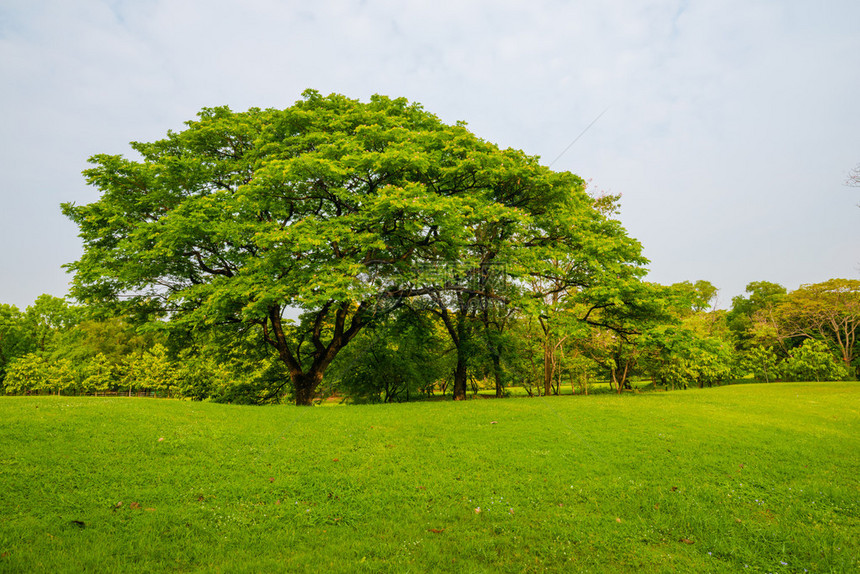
333	210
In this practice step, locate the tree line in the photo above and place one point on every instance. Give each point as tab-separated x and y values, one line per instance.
768	335
372	250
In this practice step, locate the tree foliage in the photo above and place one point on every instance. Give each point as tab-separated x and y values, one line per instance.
37	330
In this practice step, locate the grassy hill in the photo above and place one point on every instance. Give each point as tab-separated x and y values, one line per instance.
751	478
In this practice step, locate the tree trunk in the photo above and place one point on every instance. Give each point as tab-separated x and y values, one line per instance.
305	384
622	383
463	335
847	360
497	374
548	361
495	347
495	352
460	379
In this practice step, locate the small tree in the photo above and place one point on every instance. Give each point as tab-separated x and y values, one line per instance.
63	376
47	317
149	370
15	339
747	313
679	356
26	374
200	376
99	375
762	362
700	296
127	373
394	361
158	370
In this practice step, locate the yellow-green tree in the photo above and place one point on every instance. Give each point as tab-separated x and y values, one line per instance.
828	311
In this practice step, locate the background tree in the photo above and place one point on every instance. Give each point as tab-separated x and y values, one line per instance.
828	311
200	376
585	285
38	329
496	316
523	362
150	370
112	337
47	317
700	295
680	357
688	344
34	329
763	297
34	373
28	373
15	340
99	375
619	317
560	317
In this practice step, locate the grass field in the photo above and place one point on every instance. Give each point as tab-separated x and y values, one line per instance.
745	478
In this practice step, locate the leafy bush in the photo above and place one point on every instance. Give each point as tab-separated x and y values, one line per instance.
812	361
679	356
392	362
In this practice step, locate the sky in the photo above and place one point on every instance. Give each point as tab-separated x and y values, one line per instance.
728	127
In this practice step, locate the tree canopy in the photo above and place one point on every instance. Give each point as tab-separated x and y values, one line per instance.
336	211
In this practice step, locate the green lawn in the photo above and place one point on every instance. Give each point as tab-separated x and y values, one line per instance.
745	478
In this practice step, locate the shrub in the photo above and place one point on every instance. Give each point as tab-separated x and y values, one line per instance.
812	361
